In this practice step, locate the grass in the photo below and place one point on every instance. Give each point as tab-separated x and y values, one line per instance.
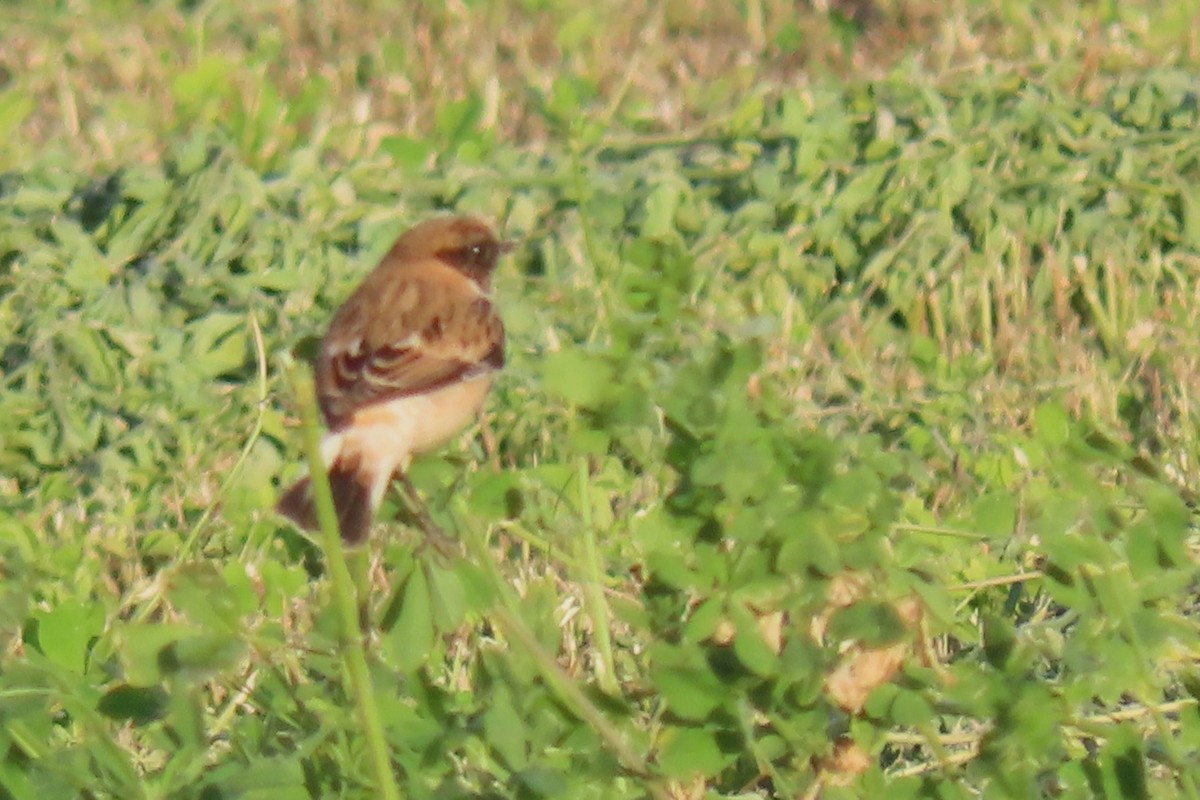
846	448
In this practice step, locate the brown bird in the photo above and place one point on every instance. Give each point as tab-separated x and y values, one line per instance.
405	365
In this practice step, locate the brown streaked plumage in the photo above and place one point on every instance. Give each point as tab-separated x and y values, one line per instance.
405	365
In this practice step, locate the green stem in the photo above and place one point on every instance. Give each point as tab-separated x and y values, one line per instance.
344	594
593	586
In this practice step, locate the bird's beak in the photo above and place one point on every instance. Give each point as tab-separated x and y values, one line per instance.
508	246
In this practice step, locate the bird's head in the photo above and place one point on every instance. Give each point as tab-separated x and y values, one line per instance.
464	243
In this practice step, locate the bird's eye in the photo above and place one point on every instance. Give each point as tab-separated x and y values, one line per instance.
481	255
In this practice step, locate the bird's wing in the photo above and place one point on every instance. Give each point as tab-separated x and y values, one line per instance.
403	338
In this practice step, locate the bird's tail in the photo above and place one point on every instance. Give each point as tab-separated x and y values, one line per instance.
355	484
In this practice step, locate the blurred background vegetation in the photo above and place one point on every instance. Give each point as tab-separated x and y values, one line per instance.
847	444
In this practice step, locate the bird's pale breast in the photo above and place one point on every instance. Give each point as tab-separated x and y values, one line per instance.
412	425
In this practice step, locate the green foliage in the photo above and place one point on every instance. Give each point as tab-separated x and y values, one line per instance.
887	375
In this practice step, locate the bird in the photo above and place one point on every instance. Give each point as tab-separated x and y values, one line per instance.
405	365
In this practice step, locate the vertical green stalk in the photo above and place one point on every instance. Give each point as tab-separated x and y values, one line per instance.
593	586
344	594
